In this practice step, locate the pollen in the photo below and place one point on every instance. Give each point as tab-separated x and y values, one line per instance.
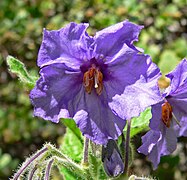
93	79
166	114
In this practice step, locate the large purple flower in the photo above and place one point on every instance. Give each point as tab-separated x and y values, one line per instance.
81	75
169	118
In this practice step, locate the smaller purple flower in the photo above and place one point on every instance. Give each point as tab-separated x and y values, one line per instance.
112	159
169	118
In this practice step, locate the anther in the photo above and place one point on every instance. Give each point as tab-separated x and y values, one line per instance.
167	114
93	78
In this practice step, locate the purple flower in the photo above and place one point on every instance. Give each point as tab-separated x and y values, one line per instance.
161	140
98	81
112	159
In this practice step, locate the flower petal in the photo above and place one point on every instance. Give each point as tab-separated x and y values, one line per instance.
110	40
158	143
181	131
156	119
180	111
178	79
54	90
149	140
69	45
138	96
122	71
96	120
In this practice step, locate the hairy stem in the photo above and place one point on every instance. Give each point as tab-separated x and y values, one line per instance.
31	174
48	169
72	166
28	162
85	151
122	146
127	146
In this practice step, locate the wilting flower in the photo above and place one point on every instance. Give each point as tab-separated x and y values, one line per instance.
112	159
81	75
169	118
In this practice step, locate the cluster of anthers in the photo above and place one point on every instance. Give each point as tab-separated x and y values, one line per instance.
93	78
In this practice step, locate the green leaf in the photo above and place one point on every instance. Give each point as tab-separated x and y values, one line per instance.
75	172
96	168
72	146
17	67
70	123
142	119
140	123
69	175
72	170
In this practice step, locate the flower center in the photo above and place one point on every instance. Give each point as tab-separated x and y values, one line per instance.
166	114
93	78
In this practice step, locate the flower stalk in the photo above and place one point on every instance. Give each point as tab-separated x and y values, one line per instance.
85	152
122	146
31	174
48	169
127	146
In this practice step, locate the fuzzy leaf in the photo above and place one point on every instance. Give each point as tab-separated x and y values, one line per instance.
17	67
96	168
70	123
69	175
71	170
72	146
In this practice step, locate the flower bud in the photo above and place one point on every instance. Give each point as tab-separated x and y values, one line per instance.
112	159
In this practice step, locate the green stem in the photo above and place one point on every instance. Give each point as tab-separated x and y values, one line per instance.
70	165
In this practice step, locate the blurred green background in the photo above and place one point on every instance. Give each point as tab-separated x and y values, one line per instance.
21	23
